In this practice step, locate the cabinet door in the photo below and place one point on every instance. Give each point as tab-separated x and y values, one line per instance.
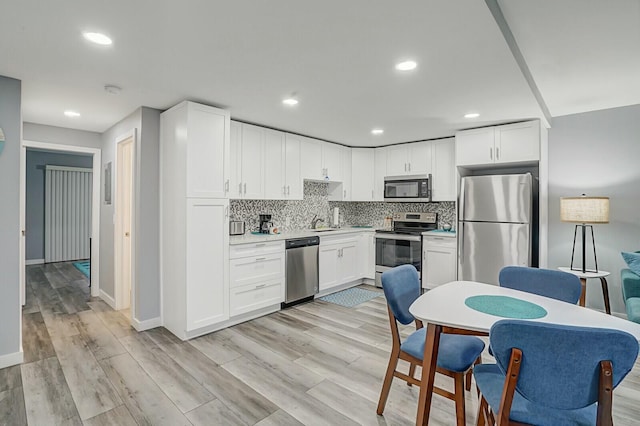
252	160
518	143
475	147
274	165
293	179
362	174
397	163
380	171
348	265
439	266
346	174
207	262
328	266
332	161
371	257
444	170
419	159
235	172
311	159
207	151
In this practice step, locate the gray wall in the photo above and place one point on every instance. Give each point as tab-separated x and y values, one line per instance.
10	121
61	135
597	153
36	162
146	121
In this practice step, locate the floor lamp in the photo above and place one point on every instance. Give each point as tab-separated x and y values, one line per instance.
584	211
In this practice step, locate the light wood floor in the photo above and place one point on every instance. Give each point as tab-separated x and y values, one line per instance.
315	364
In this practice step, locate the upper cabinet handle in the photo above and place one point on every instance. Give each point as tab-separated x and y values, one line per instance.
245	188
497	153
226	186
490	153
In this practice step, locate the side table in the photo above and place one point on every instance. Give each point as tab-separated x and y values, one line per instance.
583	280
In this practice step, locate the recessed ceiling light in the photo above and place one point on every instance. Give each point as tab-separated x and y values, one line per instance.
377	131
406	66
72	114
472	115
97	38
290	101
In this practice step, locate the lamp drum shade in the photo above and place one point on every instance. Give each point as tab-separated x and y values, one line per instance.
584	209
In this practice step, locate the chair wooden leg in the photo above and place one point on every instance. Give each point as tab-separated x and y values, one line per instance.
470	372
412	372
386	384
481	417
459	395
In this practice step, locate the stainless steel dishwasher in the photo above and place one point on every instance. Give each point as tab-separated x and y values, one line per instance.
302	269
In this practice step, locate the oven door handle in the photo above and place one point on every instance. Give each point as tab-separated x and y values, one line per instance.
399	237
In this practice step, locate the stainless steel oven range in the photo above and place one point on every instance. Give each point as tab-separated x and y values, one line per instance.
403	244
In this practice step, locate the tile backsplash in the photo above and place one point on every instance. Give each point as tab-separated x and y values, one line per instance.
300	212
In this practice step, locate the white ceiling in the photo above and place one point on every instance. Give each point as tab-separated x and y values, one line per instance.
337	57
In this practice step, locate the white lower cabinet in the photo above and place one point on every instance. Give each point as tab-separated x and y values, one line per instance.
338	261
256	276
439	261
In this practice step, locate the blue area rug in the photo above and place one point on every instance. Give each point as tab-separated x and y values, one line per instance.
84	267
351	297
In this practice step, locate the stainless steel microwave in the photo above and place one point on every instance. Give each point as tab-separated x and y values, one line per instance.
416	188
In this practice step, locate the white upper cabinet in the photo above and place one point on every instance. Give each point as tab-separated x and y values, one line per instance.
252	162
362	174
311	159
332	161
293	178
516	143
444	170
503	145
274	165
207	149
409	159
379	172
341	190
321	160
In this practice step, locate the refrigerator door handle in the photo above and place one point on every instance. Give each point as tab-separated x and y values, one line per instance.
462	196
461	243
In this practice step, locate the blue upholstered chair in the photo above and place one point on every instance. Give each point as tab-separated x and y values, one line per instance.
549	374
558	285
456	353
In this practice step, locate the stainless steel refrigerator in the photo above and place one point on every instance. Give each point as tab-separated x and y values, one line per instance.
494	228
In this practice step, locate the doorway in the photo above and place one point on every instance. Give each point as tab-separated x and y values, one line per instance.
95	153
124	238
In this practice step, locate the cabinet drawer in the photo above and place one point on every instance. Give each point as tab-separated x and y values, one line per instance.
256	270
340	239
255	249
255	296
435	241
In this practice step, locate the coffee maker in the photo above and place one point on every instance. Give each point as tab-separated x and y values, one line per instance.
265	223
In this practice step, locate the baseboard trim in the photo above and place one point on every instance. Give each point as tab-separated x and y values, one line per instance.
34	262
146	324
11	359
108	299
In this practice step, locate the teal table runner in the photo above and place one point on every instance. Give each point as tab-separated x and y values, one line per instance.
505	307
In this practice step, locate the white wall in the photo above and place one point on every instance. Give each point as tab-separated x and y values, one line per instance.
10	121
597	153
60	135
146	121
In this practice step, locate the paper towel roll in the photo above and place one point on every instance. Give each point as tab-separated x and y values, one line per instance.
336	216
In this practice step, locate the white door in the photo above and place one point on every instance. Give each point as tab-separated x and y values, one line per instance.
311	159
207	152
235	170
274	166
252	162
362	174
518	142
419	158
207	262
397	164
332	161
474	147
124	222
380	171
348	263
444	170
293	178
328	266
346	174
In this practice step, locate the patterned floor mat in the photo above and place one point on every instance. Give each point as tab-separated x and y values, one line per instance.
351	297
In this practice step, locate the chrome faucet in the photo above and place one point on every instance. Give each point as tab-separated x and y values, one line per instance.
315	220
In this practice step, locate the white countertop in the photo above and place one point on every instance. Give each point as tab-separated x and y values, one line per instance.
441	233
251	238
